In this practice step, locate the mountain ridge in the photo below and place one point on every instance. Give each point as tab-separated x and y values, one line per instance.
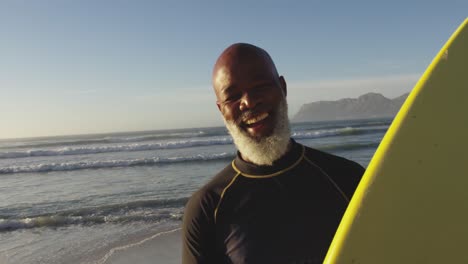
369	105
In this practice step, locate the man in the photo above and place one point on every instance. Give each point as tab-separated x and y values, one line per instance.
278	201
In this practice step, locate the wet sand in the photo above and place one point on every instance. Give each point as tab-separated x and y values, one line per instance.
164	248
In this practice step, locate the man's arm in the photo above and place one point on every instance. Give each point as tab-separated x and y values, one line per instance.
198	230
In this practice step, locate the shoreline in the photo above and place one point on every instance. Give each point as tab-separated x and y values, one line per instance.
163	247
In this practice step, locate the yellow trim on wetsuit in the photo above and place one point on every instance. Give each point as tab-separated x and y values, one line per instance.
329	178
239	172
269	175
222	195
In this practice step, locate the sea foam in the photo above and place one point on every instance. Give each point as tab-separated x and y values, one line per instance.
80	165
147	210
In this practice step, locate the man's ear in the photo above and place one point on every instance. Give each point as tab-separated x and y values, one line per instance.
283	85
218	104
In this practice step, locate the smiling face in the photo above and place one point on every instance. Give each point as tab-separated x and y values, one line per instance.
252	99
248	89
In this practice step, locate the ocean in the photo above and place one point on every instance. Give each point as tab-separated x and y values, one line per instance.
73	199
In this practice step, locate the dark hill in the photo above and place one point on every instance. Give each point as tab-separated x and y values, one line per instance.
370	105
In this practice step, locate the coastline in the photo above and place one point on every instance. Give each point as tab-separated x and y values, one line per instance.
164	247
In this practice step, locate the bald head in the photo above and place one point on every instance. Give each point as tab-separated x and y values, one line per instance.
242	61
243	53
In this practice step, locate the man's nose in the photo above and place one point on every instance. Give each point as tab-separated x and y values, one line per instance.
249	101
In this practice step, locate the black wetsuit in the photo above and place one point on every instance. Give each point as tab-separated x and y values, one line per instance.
285	213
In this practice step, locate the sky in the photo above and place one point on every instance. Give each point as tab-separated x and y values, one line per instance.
80	67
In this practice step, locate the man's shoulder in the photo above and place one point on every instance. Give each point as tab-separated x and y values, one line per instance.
199	220
208	195
219	181
334	165
326	159
346	173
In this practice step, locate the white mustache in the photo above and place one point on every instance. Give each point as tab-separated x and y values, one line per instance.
248	115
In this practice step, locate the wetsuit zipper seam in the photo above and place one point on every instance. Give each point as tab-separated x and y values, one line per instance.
222	195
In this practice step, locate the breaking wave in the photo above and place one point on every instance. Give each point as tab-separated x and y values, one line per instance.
81	165
111	139
114	148
338	132
148	210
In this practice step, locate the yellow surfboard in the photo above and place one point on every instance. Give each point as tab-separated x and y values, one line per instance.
412	203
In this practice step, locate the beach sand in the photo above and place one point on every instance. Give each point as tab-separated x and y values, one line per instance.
164	248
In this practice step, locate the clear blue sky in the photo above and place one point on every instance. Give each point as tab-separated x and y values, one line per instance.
74	67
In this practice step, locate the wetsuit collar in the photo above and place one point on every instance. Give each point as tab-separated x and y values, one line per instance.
290	159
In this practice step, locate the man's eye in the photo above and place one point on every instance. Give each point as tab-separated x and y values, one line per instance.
232	98
264	88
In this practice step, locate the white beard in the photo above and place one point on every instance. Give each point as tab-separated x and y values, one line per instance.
264	151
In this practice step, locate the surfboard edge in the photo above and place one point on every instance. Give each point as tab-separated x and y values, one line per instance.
350	216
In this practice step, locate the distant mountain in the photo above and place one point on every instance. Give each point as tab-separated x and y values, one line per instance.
370	105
